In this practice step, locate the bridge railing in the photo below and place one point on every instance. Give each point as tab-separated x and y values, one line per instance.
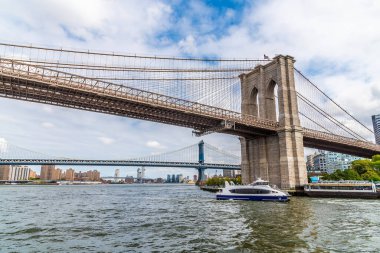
340	139
16	68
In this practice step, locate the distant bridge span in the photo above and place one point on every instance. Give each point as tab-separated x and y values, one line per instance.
120	163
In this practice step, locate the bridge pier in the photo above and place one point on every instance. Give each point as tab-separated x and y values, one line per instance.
278	158
201	175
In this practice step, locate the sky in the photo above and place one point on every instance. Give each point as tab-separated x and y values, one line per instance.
336	43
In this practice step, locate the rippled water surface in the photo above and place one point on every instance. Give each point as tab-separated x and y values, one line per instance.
178	218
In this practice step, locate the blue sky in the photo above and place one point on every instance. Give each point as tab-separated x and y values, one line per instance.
334	42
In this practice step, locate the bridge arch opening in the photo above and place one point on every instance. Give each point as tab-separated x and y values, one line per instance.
254	102
271	101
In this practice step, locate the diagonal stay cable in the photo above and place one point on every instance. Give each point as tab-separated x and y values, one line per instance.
358	121
331	118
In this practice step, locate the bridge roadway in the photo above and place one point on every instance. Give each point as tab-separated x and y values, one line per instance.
23	81
124	163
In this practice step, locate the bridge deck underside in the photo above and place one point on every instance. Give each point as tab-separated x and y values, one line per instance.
43	91
345	148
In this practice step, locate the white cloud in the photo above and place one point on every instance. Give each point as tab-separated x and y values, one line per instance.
47	125
154	144
3	145
47	108
106	140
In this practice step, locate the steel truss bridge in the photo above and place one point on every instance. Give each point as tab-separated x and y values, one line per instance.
121	163
193	156
202	94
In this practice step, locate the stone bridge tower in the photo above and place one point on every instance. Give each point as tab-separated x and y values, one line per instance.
278	158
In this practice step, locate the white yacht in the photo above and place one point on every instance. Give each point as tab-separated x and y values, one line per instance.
260	190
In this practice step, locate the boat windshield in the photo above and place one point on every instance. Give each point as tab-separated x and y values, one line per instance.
260	183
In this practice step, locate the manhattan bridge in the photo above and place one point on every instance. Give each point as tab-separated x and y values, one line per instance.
270	105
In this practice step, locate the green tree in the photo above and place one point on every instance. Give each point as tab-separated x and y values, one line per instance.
376	158
351	174
361	166
219	181
371	175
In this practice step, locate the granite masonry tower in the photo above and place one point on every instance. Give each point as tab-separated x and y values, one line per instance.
269	92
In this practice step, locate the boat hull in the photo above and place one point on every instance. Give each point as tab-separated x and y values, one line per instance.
353	194
252	197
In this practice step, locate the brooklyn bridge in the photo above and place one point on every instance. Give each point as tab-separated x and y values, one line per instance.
269	104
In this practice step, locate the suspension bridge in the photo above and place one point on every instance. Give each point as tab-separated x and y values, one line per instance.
274	109
199	156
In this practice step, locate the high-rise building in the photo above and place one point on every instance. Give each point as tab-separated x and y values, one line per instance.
14	173
229	173
376	127
326	161
117	173
168	179
91	175
47	172
195	178
310	162
69	174
143	172
32	174
173	178
4	172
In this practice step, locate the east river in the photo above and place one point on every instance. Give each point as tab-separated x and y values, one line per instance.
178	218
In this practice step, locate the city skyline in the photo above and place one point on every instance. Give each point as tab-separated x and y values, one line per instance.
195	33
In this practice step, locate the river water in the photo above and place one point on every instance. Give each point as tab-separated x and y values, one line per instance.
178	218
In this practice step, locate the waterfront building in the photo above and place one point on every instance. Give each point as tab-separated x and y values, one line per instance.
229	173
117	173
180	178
376	127
4	172
32	174
326	161
49	172
340	161
140	174
69	174
195	178
168	178
159	180
173	178
129	180
143	172
310	162
14	173
91	175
